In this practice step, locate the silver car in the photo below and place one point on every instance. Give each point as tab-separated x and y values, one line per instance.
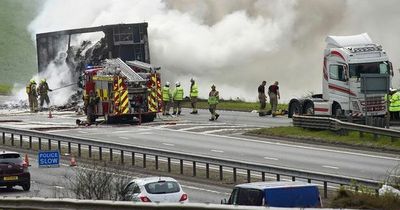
155	189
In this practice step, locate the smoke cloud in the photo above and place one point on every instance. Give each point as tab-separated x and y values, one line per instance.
235	44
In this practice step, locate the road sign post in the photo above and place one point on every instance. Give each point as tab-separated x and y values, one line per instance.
48	159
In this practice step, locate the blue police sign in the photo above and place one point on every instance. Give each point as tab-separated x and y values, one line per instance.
49	158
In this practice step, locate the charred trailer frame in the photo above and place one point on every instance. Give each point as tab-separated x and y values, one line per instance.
126	41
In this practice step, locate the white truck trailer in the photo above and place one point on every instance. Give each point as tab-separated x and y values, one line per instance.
345	59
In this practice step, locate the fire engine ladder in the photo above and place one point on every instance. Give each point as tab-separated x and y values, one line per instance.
126	71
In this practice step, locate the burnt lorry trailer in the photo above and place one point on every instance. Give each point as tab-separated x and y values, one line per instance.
125	41
122	43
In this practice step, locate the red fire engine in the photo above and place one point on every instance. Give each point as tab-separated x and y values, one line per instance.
127	91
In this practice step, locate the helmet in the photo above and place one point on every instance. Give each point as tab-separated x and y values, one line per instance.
177	83
33	81
167	84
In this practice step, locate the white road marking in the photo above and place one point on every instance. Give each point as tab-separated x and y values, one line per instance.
202	189
168	144
332	167
219	151
271	158
145	133
82	132
210	126
122	137
227	129
121	131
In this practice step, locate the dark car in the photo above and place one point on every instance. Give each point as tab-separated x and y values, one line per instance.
14	171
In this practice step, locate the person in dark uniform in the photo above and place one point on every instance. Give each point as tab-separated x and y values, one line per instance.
90	111
262	98
274	95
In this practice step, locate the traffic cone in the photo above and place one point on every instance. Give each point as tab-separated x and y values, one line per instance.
50	116
73	161
27	160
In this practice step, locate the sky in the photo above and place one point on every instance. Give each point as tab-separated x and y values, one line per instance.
234	44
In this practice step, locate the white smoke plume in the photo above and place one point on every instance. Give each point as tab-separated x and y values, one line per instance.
235	44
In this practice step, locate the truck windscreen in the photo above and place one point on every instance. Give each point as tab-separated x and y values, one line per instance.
368	68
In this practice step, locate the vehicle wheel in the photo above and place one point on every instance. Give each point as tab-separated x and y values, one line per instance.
26	186
337	110
148	117
294	109
309	109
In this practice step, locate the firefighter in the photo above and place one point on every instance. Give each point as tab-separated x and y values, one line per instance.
178	98
262	98
273	93
213	100
43	93
32	95
90	110
394	107
167	96
194	92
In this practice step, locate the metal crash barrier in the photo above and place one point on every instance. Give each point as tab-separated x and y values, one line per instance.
70	204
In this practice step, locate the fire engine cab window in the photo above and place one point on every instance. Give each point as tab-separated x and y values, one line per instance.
337	72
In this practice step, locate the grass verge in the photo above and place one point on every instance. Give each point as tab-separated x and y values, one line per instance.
5	89
362	200
233	105
352	138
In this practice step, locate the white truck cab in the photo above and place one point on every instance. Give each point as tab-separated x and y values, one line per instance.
345	59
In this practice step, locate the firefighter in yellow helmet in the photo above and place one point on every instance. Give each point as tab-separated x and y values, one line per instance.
167	98
213	100
194	93
178	98
32	95
394	107
43	93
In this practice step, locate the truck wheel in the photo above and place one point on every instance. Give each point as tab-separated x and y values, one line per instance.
148	117
337	110
294	109
309	109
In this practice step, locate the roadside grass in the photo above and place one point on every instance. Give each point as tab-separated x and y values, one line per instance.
352	138
5	89
233	105
364	200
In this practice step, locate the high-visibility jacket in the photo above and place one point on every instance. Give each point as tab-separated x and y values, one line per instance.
28	88
166	94
178	94
194	90
213	98
395	102
31	90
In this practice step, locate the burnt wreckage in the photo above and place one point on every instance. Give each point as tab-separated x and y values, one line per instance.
125	41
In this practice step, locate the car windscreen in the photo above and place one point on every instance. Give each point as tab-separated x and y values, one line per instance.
250	197
10	158
162	187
